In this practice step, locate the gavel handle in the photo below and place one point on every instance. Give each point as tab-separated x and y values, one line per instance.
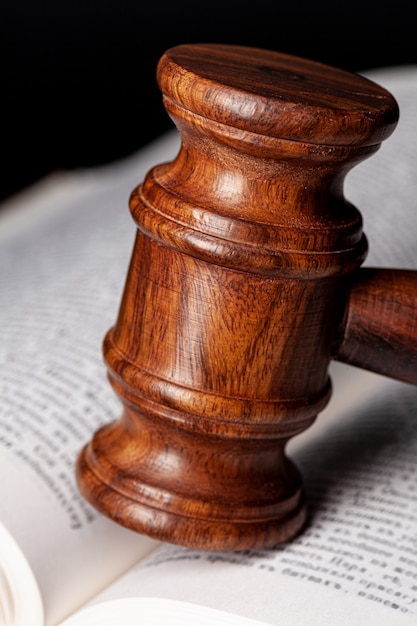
380	324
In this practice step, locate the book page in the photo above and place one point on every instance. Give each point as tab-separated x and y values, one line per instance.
15	575
383	187
356	560
155	612
64	254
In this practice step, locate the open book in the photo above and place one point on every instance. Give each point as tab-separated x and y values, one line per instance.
65	246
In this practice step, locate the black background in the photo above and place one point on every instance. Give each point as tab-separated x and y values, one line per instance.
78	77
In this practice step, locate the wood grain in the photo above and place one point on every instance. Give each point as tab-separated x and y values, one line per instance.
380	323
235	298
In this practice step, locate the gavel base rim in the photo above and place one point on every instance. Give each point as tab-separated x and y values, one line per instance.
192	532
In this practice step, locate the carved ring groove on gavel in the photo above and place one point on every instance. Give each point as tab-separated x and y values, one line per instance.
244	283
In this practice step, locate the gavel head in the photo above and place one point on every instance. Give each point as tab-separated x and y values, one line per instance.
234	296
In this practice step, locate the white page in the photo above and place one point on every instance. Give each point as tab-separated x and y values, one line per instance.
156	612
384	186
62	270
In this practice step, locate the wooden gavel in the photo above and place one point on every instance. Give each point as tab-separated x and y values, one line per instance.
244	283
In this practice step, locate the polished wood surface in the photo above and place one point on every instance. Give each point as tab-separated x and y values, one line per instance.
238	295
380	324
